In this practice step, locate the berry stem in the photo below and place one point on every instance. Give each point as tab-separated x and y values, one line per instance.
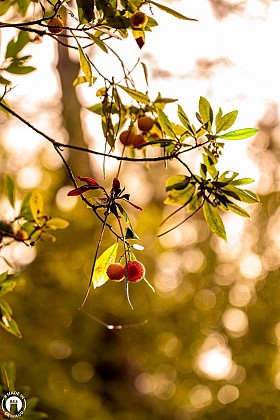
126	261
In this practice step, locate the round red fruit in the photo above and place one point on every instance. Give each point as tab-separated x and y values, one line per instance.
116	271
135	271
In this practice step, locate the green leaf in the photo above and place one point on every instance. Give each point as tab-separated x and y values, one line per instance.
25	210
242	181
124	214
166	125
205	112
171	11
134	94
5	82
177	182
210	166
6	287
195	202
238	210
184	119
23	6
244	133
36	205
218	116
145	70
214	220
85	10
17	68
228	177
14	47
85	64
9	187
99	43
226	121
241	195
180	190
97	109
108	257
57	223
6	320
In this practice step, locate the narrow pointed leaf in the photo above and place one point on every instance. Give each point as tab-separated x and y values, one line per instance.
165	123
240	194
9	186
214	220
218	116
242	181
238	210
85	64
134	94
226	121
205	111
171	11
244	133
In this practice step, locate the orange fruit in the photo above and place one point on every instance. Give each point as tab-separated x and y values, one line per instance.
116	272
138	140
145	123
55	25
126	137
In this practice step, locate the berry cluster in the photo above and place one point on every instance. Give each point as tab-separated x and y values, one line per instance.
130	138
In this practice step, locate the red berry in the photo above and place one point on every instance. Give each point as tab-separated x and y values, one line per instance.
116	272
135	271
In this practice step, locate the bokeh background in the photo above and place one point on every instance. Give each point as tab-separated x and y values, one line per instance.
205	345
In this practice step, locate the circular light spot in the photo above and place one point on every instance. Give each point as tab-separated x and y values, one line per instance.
60	349
64	202
193	260
215	363
251	266
205	299
235	321
82	372
228	394
200	396
240	295
29	177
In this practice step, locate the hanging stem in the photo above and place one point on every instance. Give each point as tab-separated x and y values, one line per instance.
94	260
